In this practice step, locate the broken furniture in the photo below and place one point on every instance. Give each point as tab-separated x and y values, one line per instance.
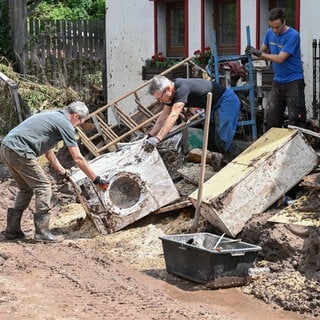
303	211
139	184
256	179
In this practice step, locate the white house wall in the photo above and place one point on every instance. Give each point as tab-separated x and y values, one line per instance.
309	30
194	28
130	38
208	23
129	41
161	27
247	18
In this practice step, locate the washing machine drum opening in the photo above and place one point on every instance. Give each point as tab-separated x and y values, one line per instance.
124	192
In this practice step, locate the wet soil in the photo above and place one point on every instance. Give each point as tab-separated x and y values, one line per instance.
123	275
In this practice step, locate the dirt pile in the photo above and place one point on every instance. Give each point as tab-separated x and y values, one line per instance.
94	276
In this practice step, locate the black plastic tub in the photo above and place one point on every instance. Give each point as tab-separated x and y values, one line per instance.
204	257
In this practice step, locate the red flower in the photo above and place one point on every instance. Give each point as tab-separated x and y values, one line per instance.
202	57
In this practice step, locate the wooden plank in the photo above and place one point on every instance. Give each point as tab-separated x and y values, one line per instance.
89	145
141	107
63	38
38	43
125	119
307	131
31	36
70	51
79	45
59	38
86	37
303	211
106	129
100	40
94	219
175	206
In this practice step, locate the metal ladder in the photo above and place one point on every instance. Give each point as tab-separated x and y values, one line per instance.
250	86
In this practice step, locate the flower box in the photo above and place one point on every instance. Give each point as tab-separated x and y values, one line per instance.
179	72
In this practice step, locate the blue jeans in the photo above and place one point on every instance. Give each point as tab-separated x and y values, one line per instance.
224	121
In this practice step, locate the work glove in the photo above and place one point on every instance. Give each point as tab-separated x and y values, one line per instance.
66	175
101	183
150	144
253	51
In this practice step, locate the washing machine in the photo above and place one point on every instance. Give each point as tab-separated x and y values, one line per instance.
139	185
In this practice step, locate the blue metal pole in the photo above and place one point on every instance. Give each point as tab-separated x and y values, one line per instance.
251	91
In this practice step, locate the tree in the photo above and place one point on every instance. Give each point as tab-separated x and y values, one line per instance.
70	9
13	42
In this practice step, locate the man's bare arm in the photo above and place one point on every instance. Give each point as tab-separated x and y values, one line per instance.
171	119
278	58
161	120
81	162
55	163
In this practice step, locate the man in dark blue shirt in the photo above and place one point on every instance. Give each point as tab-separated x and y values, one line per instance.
192	93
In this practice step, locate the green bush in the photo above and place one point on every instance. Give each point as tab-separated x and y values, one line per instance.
70	10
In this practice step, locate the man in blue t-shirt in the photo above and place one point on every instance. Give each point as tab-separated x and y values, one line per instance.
19	150
281	46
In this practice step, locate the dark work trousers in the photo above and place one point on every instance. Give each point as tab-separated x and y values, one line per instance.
287	95
30	178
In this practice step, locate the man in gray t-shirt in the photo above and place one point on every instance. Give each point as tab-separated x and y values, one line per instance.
19	150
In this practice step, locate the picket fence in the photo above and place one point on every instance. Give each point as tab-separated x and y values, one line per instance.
65	53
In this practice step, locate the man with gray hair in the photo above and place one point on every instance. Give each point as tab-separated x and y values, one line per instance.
35	136
192	93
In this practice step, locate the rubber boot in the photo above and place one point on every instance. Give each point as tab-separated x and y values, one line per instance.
13	230
42	232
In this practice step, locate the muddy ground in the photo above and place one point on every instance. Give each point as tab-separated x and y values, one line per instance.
123	275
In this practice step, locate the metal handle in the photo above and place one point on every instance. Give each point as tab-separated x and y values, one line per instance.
235	254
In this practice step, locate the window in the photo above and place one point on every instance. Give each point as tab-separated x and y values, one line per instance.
225	26
289	7
175	28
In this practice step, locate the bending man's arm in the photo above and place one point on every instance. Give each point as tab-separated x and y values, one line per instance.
170	120
81	162
55	163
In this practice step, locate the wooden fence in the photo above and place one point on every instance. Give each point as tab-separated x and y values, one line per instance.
65	53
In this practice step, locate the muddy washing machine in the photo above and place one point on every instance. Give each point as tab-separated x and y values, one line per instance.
139	184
